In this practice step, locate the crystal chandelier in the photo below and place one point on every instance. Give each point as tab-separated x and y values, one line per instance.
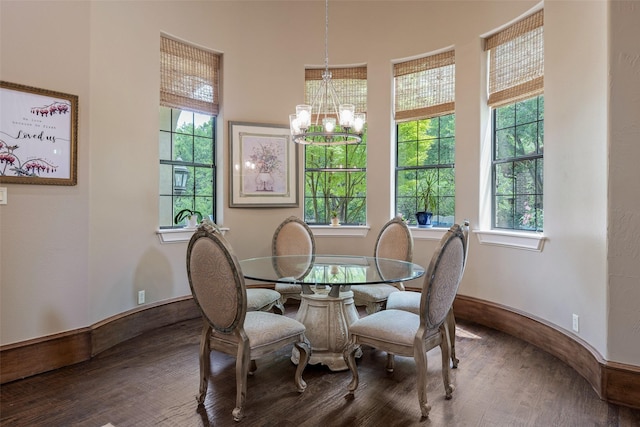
326	121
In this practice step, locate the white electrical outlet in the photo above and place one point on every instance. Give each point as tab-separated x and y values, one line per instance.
140	297
576	323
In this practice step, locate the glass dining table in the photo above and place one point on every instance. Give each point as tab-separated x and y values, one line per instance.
327	307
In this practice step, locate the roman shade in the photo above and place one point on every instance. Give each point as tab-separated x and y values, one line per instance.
425	87
516	61
188	77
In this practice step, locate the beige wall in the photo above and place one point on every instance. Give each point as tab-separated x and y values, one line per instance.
623	315
96	242
44	230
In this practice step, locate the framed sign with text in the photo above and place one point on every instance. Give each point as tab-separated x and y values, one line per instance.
38	136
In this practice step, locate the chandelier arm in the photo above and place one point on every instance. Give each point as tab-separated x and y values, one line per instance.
334	99
317	101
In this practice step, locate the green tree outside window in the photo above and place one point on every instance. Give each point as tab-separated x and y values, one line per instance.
426	154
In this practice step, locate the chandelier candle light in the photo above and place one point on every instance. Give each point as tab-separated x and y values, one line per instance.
340	123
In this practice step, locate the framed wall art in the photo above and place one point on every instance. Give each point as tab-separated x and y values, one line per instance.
38	135
264	166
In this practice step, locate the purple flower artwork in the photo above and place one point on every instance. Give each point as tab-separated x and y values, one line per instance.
264	164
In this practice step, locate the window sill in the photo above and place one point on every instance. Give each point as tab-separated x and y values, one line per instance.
434	233
531	241
178	235
340	231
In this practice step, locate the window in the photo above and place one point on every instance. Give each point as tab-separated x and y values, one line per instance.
516	84
517	165
187	166
187	135
425	138
336	176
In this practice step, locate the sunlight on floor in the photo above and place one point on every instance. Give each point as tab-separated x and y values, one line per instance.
460	332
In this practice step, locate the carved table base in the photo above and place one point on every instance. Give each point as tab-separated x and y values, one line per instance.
327	320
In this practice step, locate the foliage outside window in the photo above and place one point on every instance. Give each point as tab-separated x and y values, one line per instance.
336	180
425	158
187	146
516	85
336	176
425	137
188	109
518	142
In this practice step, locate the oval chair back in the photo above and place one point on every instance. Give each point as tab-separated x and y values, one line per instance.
292	237
394	241
217	287
443	278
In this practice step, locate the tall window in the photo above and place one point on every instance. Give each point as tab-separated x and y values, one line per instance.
188	110
425	138
336	176
516	85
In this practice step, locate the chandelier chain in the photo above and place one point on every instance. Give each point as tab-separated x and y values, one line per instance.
326	36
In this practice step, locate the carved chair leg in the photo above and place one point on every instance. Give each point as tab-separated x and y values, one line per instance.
451	322
279	306
420	357
304	351
243	360
349	356
446	371
205	364
390	362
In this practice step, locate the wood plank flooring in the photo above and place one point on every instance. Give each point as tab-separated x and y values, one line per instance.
152	380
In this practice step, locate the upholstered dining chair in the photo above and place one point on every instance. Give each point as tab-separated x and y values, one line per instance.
396	242
292	237
258	298
403	333
410	301
219	290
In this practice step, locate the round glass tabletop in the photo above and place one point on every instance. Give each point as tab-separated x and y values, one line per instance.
329	270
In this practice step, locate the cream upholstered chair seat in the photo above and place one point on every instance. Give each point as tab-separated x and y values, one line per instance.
408	334
410	301
262	329
287	291
374	296
395	242
219	291
406	301
292	237
383	326
263	299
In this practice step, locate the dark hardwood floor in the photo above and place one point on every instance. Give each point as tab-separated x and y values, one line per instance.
152	380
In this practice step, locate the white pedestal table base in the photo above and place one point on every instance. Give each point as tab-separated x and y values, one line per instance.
327	320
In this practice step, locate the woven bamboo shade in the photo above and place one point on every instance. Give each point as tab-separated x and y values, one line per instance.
516	61
425	87
350	84
188	77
